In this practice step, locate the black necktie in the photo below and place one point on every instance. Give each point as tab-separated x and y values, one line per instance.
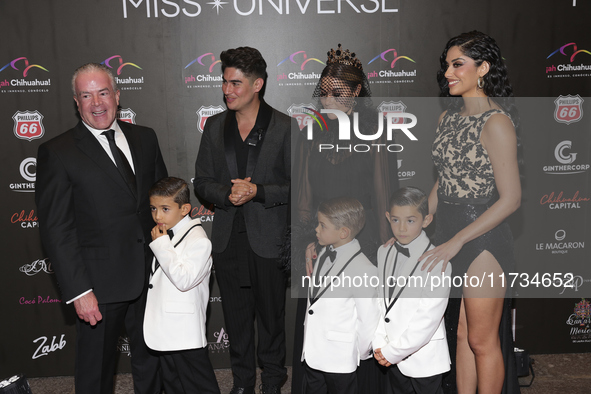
401	249
121	161
170	233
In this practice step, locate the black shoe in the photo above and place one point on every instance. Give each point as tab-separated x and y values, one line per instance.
242	390
270	389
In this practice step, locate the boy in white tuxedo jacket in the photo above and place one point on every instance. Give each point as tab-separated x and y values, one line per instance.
410	338
342	312
178	292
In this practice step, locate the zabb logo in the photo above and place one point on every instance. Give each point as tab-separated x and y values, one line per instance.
41	265
28	125
569	109
564	155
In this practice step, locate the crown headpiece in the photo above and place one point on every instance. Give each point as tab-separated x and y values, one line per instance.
343	56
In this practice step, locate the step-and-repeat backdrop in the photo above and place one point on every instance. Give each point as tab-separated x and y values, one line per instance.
165	56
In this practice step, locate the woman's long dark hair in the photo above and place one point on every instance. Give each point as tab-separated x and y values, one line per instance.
481	48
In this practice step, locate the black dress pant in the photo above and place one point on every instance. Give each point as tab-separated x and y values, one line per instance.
319	382
96	350
188	371
252	289
402	384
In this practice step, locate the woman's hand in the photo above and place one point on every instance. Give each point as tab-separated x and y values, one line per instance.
389	242
441	254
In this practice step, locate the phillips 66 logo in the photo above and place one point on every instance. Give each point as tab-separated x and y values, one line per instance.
569	109
28	125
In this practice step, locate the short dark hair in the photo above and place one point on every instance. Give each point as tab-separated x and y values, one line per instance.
246	59
412	196
172	187
344	212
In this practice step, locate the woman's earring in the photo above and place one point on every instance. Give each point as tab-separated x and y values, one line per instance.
480	83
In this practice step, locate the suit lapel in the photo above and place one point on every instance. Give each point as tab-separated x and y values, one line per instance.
137	154
342	261
88	144
229	128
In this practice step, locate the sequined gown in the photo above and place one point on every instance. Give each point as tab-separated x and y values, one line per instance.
466	190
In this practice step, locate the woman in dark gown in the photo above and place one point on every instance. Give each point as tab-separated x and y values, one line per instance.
321	174
478	187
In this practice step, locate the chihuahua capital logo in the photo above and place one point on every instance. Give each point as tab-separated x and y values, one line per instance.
118	67
25	67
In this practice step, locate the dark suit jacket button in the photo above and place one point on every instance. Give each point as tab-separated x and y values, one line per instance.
387	320
150	286
310	312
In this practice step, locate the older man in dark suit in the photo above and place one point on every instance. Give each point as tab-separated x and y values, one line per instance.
95	221
243	168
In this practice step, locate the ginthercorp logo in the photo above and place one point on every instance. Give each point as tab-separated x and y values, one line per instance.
390	67
28	171
569	61
203	72
117	64
301	113
126	115
297	70
579	322
569	109
566	157
562	200
560	245
344	132
404	175
20	76
192	8
205	112
221	342
28	125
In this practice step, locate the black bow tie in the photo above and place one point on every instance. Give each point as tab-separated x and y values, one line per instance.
401	249
331	254
170	233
